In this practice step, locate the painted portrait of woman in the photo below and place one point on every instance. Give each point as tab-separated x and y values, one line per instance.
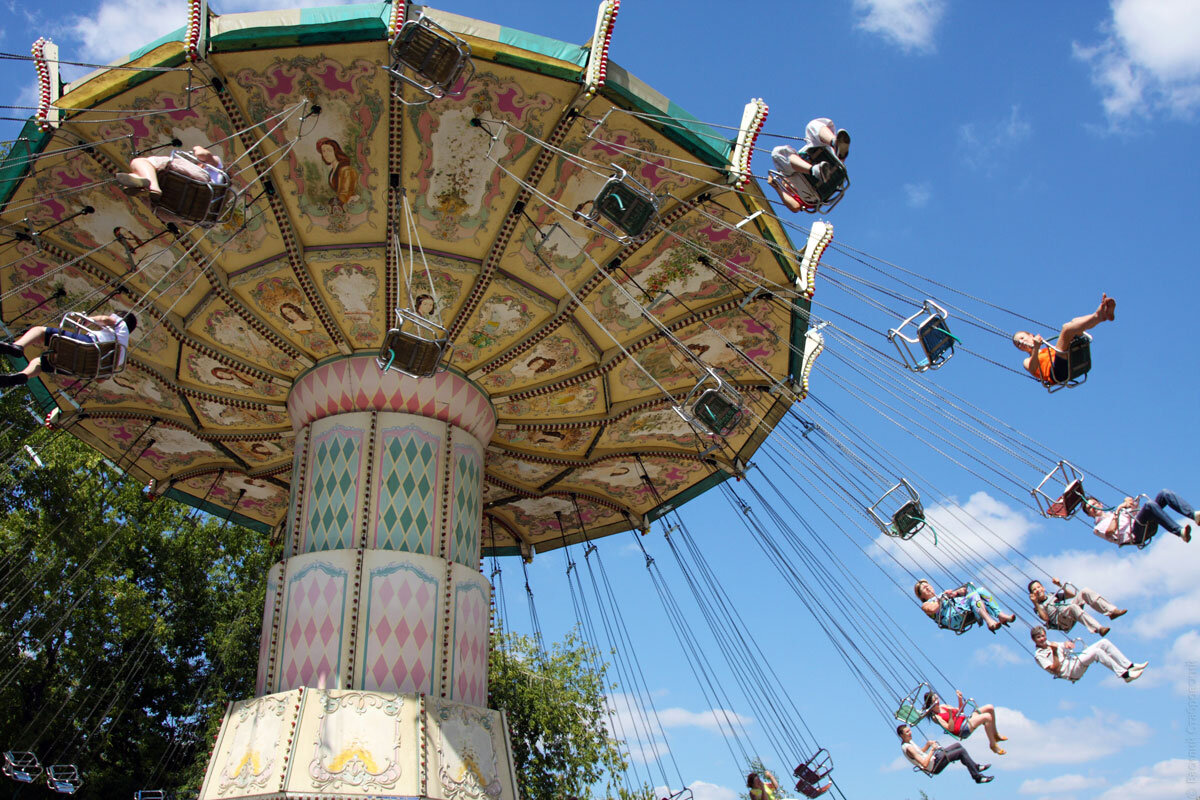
295	317
343	177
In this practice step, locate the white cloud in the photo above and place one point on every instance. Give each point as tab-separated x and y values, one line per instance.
1149	60
917	194
910	24
711	719
1059	784
984	146
702	790
998	654
641	734
1180	668
1163	575
1061	740
982	528
118	27
1167	780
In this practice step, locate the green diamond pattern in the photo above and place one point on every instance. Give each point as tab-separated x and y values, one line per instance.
334	494
407	500
467	498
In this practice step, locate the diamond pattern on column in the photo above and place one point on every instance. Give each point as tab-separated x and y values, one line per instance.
467	513
401	608
470	644
333	490
407	490
315	607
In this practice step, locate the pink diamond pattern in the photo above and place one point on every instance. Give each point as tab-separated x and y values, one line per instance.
471	645
400	648
357	384
314	611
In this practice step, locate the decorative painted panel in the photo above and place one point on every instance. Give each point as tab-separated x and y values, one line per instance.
466	505
316	619
469	679
251	754
334	481
470	756
407	483
402	593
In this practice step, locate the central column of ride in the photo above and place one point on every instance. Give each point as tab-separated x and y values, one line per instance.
372	675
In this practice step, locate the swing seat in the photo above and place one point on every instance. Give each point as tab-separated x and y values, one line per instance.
418	352
186	198
436	57
1079	363
149	794
1068	502
932	335
908	520
86	360
816	197
63	778
625	203
22	766
713	404
811	773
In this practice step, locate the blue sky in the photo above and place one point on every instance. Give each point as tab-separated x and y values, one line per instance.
1028	154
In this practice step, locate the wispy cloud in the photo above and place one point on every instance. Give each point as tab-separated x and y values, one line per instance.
917	195
1059	784
702	790
989	146
998	654
909	24
1035	743
1148	60
1166	780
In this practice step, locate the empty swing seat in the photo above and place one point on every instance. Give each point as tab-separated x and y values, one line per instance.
188	198
149	794
932	336
418	351
1068	502
436	57
63	778
812	773
713	404
626	205
1079	363
907	520
22	766
76	351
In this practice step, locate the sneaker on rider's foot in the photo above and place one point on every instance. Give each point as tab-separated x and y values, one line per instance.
841	144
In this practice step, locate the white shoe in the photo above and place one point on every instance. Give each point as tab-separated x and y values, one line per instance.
1134	673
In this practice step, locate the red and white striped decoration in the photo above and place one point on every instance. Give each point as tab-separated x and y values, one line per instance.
399	14
192	40
753	118
597	66
43	73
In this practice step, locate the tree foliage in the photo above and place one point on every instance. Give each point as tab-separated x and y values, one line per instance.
126	623
555	704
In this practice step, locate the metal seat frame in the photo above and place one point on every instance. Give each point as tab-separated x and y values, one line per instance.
150	794
63	778
632	221
908	520
90	360
812	772
821	199
1079	363
419	352
1069	500
425	37
932	336
696	406
204	203
21	765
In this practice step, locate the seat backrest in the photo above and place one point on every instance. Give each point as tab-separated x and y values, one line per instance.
411	353
199	202
625	207
908	520
84	360
1066	505
909	714
431	56
716	412
1079	357
935	338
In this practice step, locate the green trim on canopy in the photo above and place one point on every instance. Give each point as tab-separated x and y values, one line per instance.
18	159
218	511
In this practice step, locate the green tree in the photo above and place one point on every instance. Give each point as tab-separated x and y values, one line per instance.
126	623
555	703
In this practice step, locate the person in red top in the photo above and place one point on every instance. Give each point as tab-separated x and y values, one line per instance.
1049	364
954	721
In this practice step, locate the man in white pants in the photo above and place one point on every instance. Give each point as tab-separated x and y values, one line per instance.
1065	607
1057	658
